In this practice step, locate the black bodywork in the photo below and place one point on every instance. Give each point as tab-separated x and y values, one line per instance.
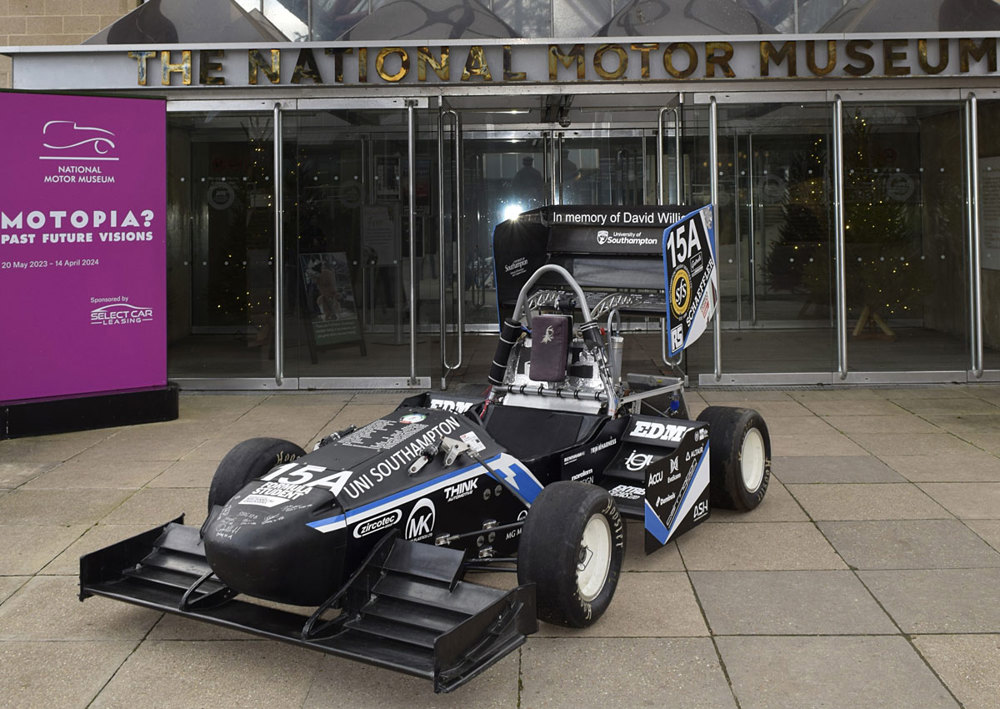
365	542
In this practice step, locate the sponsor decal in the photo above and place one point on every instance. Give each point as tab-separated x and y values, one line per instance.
378	524
627	492
420	523
412	418
573	458
625	238
548	336
602	236
517	266
659	431
675	477
472	440
677	337
661	501
584	474
638	461
656	477
460	490
693	453
458	407
272	494
700	509
680	292
601	446
120	314
701	434
305	476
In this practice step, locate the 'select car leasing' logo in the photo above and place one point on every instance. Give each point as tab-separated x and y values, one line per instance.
120	314
70	142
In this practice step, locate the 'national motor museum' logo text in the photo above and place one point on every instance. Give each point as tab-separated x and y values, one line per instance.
119	313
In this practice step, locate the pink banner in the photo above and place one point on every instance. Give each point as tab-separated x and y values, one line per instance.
82	245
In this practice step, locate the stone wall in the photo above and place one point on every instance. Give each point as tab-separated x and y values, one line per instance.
35	22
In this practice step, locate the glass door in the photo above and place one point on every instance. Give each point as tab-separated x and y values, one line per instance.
905	237
220	274
989	227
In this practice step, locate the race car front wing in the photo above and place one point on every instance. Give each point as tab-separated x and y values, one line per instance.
405	609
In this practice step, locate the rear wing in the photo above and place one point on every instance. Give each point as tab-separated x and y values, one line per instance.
625	258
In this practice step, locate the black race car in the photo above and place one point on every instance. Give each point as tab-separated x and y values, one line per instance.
375	531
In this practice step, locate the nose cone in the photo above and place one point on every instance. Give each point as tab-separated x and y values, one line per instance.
260	544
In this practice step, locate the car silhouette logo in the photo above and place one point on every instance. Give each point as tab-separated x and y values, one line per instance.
77	142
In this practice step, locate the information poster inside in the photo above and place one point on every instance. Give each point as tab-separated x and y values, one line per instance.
989	212
82	245
330	299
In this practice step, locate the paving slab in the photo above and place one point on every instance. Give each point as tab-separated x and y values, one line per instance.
14	474
155	506
186	473
853	407
837	469
778	506
886	423
343	683
766	546
971	466
849	501
833	672
249	673
10	584
63	674
53	448
110	472
967	500
939	600
968	664
658	604
833	443
909	544
912	443
59	507
49	608
25	550
572	673
987	529
67	562
942	405
802	425
788	603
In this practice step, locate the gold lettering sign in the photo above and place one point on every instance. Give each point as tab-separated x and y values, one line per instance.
508	62
183	67
768	52
968	49
141	58
644	50
556	57
619	71
668	60
925	64
476	65
831	57
306	68
441	66
404	64
718	54
338	62
854	51
257	63
893	53
206	66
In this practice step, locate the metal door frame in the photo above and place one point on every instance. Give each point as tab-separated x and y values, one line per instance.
279	108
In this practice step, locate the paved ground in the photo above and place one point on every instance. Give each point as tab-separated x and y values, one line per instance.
869	577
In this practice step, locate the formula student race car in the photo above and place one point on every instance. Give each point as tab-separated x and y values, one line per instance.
377	529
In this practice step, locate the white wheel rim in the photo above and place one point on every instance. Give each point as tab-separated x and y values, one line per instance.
752	459
595	558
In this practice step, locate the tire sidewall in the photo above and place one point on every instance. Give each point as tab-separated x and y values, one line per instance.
751	498
549	550
248	460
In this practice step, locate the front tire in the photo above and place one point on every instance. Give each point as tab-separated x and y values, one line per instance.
740	457
248	460
572	547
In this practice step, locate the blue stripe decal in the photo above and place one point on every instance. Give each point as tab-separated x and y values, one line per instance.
398	495
654	525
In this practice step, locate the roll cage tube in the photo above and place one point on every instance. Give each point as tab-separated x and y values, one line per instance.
522	297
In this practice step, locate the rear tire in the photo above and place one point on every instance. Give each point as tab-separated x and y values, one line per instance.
572	547
248	460
740	457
